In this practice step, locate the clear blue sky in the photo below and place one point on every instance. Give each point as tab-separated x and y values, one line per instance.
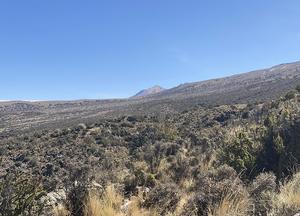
70	49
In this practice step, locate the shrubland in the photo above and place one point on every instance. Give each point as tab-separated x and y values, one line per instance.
228	160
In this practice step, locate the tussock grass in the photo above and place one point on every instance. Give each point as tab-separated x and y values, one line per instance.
108	205
134	208
287	201
232	205
113	204
187	184
236	201
207	162
180	206
60	210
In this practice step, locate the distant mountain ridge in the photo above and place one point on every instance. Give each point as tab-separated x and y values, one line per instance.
252	87
265	84
150	91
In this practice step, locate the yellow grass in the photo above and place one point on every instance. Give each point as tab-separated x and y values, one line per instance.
61	211
187	183
180	206
207	163
233	205
108	205
287	201
134	209
112	204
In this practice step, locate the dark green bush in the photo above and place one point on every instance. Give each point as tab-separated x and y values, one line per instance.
20	194
240	153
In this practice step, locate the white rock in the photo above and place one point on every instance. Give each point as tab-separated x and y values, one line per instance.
55	197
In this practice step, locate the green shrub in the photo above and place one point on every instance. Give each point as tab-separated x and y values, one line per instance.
20	194
281	150
240	153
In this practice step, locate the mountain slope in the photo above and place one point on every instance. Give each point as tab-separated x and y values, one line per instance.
243	151
150	91
257	86
252	86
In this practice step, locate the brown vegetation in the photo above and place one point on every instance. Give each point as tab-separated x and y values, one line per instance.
227	160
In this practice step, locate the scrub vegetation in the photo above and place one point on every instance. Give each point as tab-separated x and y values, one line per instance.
229	160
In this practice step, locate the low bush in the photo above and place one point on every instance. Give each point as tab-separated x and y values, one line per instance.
20	194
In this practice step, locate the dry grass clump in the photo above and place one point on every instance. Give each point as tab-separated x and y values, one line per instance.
180	205
207	162
231	198
233	204
187	184
134	208
113	204
287	201
235	199
61	210
108	205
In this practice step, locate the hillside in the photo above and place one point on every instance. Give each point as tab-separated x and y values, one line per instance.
150	91
184	164
247	87
257	86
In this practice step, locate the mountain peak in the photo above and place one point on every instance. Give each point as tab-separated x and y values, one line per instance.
150	91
